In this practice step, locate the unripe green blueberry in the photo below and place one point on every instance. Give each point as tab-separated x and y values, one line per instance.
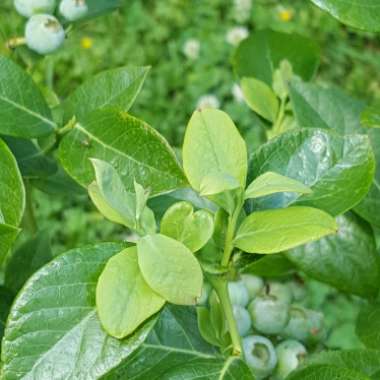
206	289
290	353
254	284
28	8
243	319
269	315
298	290
73	10
238	293
305	325
260	355
281	291
44	34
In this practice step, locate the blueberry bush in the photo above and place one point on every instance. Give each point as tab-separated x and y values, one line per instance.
244	245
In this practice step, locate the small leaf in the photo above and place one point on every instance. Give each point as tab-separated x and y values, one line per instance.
109	195
275	265
23	110
113	88
271	183
123	299
170	269
275	231
260	98
370	117
133	148
213	147
193	229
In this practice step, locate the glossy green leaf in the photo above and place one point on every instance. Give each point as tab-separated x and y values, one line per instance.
339	170
260	98
170	269
363	14
205	326
213	147
23	110
132	147
27	259
123	298
326	372
261	53
53	331
176	350
113	88
100	7
274	231
347	260
368	326
372	200
30	159
360	360
193	229
272	183
320	107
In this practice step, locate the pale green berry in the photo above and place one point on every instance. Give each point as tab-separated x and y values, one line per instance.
281	291
28	8
238	293
305	325
290	353
44	34
243	319
268	314
298	290
254	284
73	10
260	355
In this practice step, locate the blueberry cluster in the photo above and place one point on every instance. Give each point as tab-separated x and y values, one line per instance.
276	327
44	33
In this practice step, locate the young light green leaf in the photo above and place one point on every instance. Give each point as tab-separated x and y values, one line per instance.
217	183
193	229
281	79
275	231
271	183
363	14
347	260
260	98
170	269
123	298
23	110
213	147
113	88
109	195
57	306
133	148
263	51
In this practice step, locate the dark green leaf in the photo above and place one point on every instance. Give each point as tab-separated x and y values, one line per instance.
347	260
363	14
339	170
23	110
269	266
326	372
100	7
26	260
176	350
261	54
132	147
113	88
6	299
53	331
